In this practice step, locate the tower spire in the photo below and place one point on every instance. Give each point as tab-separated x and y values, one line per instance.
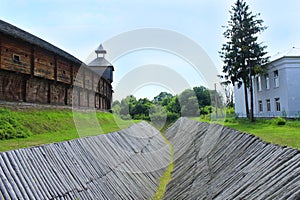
100	50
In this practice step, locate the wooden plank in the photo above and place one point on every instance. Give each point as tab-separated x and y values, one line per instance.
23	174
44	64
9	182
14	174
31	174
32	61
55	68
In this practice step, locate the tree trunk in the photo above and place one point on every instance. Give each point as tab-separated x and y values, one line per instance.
246	99
251	100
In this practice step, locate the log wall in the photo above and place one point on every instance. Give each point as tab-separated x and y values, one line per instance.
30	73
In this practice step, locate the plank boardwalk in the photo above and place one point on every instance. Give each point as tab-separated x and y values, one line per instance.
210	162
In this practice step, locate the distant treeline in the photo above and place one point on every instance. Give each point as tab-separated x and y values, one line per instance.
165	106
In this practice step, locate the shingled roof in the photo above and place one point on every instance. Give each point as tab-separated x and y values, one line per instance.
16	32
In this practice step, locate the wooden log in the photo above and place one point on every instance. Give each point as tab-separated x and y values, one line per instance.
9	182
32	175
14	174
23	175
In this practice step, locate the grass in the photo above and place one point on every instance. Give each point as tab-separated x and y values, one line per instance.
266	129
166	178
57	125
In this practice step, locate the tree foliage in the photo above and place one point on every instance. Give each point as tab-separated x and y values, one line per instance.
166	106
242	54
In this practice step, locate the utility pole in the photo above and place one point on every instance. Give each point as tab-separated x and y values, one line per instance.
216	100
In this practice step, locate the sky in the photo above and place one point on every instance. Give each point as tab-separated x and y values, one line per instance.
79	26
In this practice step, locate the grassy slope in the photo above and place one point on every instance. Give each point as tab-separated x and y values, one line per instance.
267	130
53	125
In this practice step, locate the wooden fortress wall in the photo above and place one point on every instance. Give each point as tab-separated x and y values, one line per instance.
29	73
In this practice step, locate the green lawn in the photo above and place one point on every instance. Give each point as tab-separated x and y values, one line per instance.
267	130
54	125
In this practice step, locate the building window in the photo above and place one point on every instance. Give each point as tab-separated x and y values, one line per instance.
260	106
258	82
267	81
276	79
277	104
268	105
16	58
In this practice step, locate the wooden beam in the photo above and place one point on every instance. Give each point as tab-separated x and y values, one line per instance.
72	75
88	97
92	81
49	92
32	61
24	88
66	95
55	68
83	75
0	50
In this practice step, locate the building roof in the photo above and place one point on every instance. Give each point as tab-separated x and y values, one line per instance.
100	49
16	32
100	62
290	53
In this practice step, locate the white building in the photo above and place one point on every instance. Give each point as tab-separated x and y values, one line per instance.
278	92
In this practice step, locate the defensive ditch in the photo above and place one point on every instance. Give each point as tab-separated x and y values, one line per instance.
210	162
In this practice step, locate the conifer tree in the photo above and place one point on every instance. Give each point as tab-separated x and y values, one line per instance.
243	56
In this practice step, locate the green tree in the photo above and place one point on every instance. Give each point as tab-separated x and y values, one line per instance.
203	96
174	105
127	106
116	107
189	103
242	54
162	98
141	109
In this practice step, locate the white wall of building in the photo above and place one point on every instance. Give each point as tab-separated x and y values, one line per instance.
288	91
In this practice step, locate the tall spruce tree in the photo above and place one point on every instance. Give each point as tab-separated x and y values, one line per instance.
243	56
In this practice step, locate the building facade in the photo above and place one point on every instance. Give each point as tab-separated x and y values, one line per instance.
276	93
33	70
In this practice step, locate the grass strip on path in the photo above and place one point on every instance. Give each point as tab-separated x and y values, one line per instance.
166	178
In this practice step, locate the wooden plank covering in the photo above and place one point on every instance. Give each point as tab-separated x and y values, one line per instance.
44	64
15	56
11	86
215	162
120	165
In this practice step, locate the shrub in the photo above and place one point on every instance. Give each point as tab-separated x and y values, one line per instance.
171	117
206	110
125	117
279	121
141	117
10	127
